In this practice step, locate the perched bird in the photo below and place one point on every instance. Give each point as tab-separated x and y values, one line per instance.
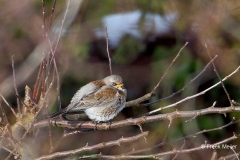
101	100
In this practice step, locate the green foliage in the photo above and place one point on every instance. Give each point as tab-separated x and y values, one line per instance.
128	50
209	122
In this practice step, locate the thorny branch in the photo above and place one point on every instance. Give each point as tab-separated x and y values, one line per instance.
94	147
158	155
136	121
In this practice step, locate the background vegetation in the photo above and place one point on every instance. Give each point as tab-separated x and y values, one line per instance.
81	57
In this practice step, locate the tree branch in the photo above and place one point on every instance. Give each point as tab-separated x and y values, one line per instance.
94	147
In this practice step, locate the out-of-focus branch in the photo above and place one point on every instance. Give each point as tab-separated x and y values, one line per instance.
94	147
109	57
53	8
15	87
34	59
9	105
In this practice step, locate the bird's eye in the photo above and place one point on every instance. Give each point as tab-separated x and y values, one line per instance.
114	84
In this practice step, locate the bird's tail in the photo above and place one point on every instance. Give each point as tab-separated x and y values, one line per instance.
62	111
57	113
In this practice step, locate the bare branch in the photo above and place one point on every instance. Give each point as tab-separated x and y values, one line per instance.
53	8
183	138
94	147
109	58
42	100
37	83
158	155
43	10
215	70
9	106
136	121
191	81
60	34
3	113
193	96
229	156
154	89
15	87
137	102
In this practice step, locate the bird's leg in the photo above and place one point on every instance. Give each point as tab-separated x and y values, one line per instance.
95	126
109	124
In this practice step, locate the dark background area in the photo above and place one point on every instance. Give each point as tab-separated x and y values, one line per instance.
81	57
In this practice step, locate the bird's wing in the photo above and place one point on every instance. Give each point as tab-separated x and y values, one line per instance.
84	91
104	96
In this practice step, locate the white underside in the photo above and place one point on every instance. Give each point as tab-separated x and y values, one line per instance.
95	114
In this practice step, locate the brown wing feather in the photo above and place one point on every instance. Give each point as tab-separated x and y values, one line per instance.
103	96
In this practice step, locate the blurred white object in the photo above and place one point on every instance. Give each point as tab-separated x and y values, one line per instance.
128	24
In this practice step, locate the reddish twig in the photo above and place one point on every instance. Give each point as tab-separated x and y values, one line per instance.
36	85
53	8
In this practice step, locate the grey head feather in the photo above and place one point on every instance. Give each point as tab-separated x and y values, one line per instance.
113	79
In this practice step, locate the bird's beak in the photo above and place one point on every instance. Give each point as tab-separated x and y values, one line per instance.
119	85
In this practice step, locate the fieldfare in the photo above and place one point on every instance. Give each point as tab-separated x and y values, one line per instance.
101	100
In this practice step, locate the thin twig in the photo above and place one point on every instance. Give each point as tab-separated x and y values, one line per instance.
185	137
215	70
37	83
191	81
193	96
42	100
184	142
229	156
3	113
9	106
165	73
109	58
234	152
53	8
43	10
64	17
15	87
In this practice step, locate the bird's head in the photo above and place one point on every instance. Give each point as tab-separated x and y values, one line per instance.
114	81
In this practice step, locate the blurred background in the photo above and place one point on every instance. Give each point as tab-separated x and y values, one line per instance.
144	37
